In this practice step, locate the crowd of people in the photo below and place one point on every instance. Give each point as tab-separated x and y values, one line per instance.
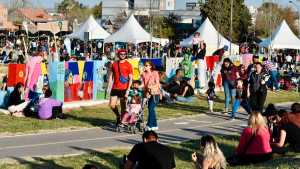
259	142
244	85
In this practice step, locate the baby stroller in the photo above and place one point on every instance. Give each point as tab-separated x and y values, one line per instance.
133	118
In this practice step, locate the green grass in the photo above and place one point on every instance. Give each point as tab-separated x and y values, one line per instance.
101	115
110	159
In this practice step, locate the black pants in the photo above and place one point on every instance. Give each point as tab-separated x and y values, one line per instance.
257	100
195	49
252	159
248	159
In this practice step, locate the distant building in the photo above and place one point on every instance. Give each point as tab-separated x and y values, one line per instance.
40	20
4	23
110	9
190	9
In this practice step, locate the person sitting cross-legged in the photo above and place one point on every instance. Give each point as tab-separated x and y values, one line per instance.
254	145
150	154
46	106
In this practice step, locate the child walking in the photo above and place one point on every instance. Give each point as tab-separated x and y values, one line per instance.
211	95
240	99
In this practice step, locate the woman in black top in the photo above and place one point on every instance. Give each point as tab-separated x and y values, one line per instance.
257	88
15	103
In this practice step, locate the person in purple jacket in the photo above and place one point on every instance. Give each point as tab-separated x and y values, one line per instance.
46	105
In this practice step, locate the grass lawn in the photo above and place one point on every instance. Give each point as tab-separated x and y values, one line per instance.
110	159
101	115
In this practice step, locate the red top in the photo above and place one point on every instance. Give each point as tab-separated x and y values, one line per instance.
150	78
125	69
259	145
210	62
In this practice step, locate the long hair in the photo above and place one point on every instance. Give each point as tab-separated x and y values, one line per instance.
256	121
227	60
150	63
18	86
211	151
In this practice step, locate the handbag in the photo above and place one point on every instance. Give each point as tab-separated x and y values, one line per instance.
122	78
154	89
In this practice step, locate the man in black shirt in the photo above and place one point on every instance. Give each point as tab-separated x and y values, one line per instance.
150	154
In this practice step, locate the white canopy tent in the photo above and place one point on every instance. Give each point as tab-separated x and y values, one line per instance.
213	39
92	27
282	38
132	32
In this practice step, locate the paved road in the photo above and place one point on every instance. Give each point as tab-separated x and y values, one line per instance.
76	142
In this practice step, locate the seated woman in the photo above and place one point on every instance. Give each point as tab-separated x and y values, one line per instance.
211	156
254	145
174	83
46	105
15	103
185	92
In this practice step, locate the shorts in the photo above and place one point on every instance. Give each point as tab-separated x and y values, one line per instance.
118	92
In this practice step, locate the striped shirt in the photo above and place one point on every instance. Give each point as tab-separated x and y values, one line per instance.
269	66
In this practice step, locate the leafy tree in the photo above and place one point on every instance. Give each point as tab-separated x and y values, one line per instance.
270	15
97	10
15	4
163	27
218	11
72	9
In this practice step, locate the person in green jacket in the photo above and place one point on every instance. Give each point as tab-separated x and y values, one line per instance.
187	66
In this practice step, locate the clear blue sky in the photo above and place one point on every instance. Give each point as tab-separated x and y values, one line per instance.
51	3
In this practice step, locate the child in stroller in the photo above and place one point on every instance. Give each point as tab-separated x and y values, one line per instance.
133	109
133	116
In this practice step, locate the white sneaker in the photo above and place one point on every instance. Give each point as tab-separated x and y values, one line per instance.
147	128
151	128
225	111
154	128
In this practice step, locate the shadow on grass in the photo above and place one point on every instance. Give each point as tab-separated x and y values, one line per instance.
187	107
218	98
94	121
108	158
40	163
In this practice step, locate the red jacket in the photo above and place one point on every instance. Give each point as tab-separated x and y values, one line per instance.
259	145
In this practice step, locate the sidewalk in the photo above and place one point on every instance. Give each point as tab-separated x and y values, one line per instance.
75	142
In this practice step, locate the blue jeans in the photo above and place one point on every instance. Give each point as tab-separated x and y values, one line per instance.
184	99
273	82
229	93
153	101
237	103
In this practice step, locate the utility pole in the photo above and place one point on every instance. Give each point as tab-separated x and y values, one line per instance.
151	29
231	13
